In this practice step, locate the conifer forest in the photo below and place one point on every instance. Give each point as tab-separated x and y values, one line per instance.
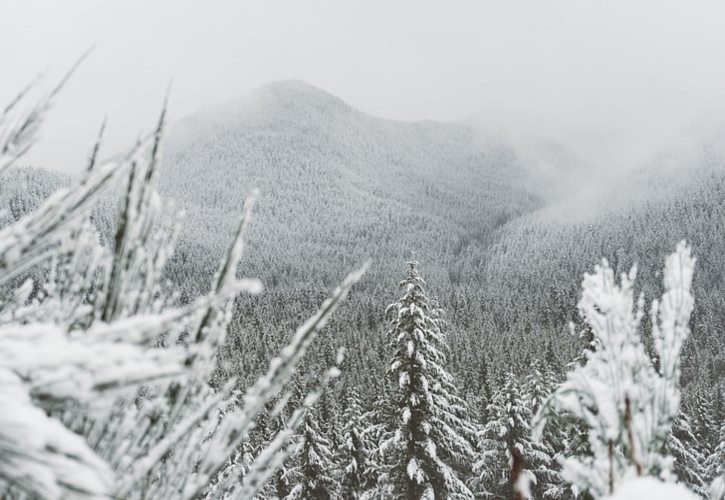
280	296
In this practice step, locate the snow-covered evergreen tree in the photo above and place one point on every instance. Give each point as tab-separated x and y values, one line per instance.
557	438
312	472
378	425
430	446
233	472
352	455
540	383
506	435
703	421
277	486
715	468
682	445
626	405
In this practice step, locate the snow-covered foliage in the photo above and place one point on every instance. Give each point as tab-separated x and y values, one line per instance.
715	468
123	374
353	454
313	473
626	401
689	464
717	488
105	382
506	438
431	443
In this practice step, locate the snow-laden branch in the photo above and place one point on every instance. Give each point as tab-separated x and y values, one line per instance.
40	456
625	401
95	326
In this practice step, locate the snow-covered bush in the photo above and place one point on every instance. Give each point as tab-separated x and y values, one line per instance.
106	389
626	400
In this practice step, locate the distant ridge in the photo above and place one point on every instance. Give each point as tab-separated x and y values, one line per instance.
347	179
299	92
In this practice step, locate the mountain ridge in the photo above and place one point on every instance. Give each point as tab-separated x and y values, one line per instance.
341	187
325	162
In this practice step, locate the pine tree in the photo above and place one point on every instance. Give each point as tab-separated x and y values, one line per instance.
703	422
312	473
378	427
508	434
715	468
236	468
682	445
267	428
355	476
483	394
539	385
430	446
556	438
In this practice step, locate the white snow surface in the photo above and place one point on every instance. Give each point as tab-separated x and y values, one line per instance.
649	488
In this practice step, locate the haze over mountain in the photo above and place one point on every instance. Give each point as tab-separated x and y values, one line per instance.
339	186
502	232
362	250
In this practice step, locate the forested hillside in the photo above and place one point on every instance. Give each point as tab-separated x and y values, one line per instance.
503	265
535	260
339	186
23	189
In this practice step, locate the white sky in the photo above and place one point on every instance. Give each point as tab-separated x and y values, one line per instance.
607	75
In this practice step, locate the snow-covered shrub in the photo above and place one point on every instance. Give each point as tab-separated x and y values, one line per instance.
626	400
106	390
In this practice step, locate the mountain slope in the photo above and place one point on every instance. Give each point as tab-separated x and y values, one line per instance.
533	271
22	189
338	186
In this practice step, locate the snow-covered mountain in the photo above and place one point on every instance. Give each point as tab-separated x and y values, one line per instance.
338	185
502	251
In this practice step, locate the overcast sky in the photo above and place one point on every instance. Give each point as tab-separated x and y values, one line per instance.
609	75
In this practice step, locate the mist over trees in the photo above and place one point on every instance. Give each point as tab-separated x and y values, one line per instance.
135	363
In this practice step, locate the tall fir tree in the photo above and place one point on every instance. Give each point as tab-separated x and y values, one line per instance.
540	383
356	476
378	426
507	435
483	393
312	473
430	447
703	421
279	485
715	468
682	445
